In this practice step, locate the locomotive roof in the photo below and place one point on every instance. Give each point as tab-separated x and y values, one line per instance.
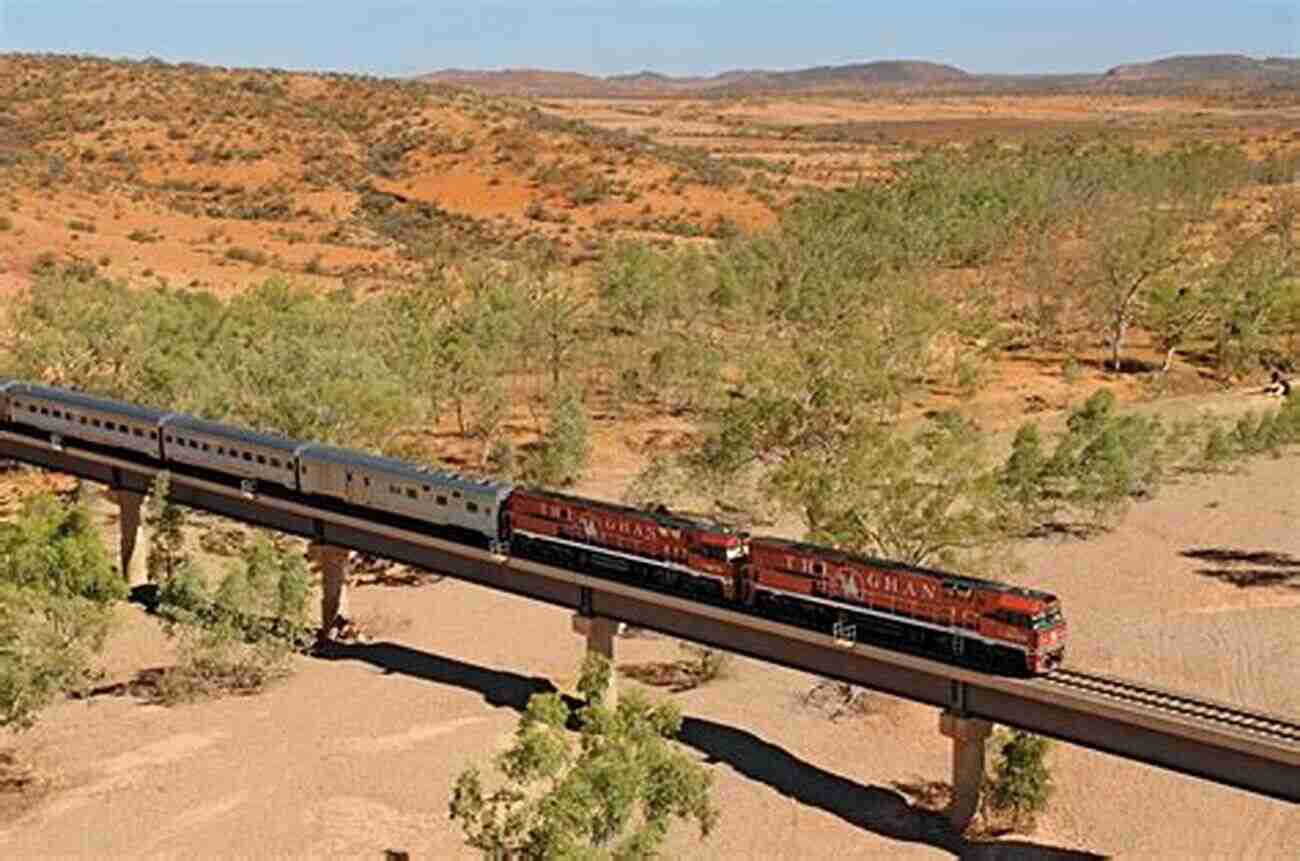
88	402
959	579
282	443
663	518
412	471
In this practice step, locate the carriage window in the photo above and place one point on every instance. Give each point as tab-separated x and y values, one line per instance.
349	475
221	450
427	488
392	488
442	500
365	479
169	436
819	569
261	458
456	493
471	507
275	462
139	432
412	493
94	422
31	408
248	456
83	420
206	447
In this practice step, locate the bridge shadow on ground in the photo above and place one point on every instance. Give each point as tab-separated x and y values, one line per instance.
872	808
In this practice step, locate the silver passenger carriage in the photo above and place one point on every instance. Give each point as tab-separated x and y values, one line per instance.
212	445
434	496
65	413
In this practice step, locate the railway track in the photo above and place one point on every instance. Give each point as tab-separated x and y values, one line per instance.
1157	699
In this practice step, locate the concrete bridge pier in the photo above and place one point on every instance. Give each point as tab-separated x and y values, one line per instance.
134	567
600	632
968	736
332	563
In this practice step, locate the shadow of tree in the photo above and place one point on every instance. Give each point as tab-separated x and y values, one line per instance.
883	811
1246	568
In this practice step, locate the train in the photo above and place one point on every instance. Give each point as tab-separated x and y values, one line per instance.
968	621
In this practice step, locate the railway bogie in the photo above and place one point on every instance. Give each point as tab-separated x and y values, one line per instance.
223	448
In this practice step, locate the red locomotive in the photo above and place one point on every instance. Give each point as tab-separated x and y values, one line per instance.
964	619
672	551
981	621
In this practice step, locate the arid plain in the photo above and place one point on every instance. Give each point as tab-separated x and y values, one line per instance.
214	180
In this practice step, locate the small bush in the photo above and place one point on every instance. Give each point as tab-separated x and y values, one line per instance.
707	664
247	255
240	637
561	457
82	226
1217	451
1021	784
140	235
6	223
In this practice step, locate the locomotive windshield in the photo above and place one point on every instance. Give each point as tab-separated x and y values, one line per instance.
1050	619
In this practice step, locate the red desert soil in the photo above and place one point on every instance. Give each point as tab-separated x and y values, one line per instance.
356	755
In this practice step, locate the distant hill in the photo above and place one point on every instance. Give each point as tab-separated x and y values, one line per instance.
855	76
1207	68
1183	73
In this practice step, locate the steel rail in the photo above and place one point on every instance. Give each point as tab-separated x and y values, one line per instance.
1094	715
1176	702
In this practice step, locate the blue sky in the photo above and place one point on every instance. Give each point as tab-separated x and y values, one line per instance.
400	37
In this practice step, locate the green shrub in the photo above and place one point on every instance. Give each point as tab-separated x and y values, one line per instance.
612	790
1021	783
561	456
247	255
56	587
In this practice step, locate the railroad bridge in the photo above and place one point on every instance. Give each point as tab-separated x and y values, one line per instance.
1226	744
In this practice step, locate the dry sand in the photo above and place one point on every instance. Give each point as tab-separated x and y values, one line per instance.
357	754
